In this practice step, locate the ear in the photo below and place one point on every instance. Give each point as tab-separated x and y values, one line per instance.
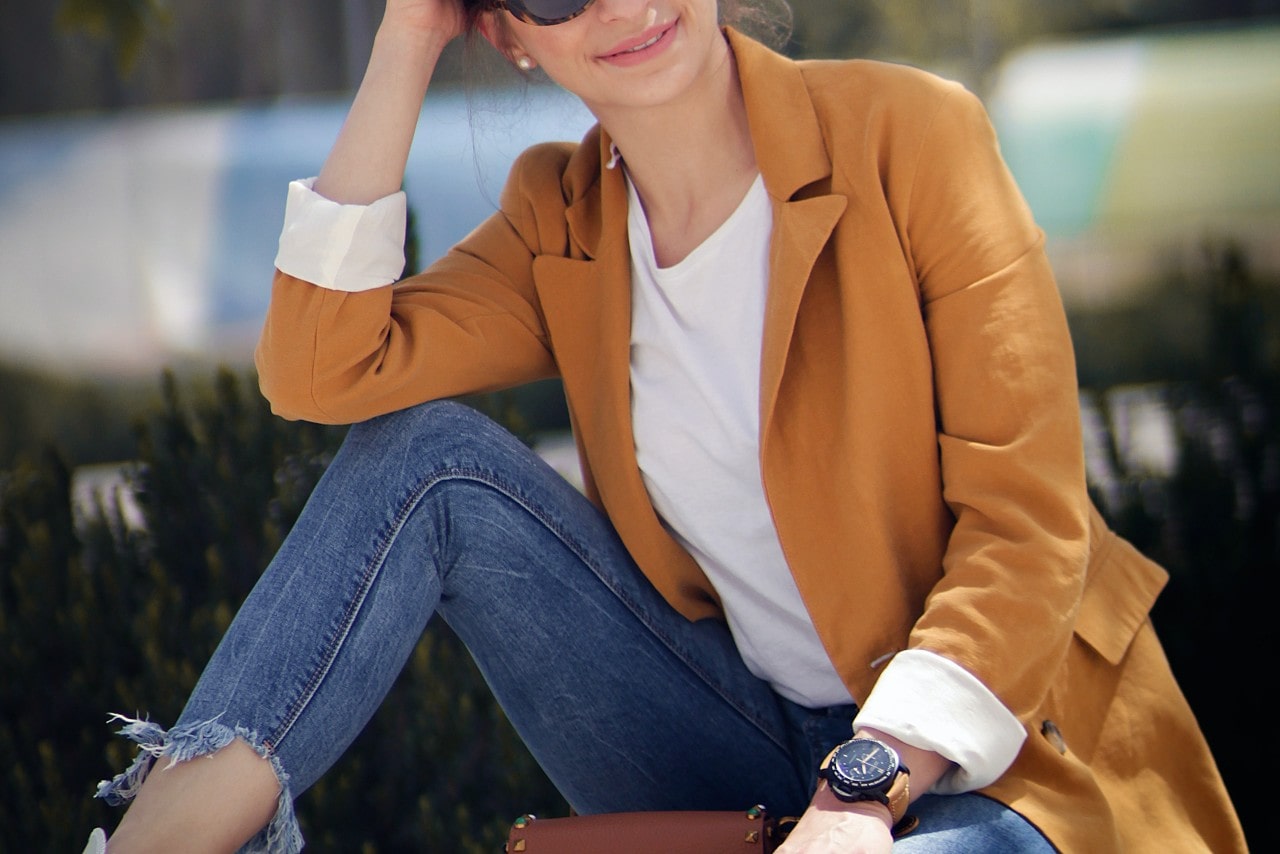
493	26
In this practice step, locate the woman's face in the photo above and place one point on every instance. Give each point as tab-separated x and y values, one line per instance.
626	53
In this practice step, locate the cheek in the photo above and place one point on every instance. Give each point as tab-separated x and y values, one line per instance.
542	43
559	54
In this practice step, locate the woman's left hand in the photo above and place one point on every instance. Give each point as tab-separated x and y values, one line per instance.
830	826
833	826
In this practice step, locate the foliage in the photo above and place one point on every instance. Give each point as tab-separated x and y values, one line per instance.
967	38
123	620
1209	316
173	51
88	421
125	24
1214	522
1215	525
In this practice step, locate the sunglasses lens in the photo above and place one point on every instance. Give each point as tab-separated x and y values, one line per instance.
548	11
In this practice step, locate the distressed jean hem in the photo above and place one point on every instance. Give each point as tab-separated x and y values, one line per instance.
192	741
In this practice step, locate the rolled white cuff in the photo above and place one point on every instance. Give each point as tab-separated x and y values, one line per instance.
933	703
342	247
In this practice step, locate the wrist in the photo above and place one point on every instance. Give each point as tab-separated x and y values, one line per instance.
824	799
927	767
421	45
866	768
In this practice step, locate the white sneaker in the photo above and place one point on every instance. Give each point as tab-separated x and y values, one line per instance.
97	842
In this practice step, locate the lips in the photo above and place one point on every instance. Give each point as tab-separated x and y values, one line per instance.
640	43
649	43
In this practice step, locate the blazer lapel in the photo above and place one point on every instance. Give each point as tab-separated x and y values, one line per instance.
586	301
796	168
587	305
800	231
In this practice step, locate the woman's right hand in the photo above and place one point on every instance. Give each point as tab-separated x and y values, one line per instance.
444	19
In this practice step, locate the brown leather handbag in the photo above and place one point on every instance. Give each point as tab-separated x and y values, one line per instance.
752	831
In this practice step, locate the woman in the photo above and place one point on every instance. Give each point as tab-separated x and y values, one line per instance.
823	393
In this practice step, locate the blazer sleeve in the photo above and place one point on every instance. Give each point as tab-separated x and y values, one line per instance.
1009	430
470	323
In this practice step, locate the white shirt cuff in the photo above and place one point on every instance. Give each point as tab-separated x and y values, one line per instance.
342	247
933	703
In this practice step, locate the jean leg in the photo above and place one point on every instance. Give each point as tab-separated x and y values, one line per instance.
318	642
970	824
626	704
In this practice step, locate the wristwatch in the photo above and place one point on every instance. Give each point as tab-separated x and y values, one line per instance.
867	769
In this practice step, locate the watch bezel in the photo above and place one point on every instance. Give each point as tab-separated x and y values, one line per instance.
844	784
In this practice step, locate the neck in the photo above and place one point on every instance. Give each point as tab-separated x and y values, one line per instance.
694	153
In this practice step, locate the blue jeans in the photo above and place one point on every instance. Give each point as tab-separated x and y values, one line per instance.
624	703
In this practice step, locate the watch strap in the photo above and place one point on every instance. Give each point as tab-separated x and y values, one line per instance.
899	795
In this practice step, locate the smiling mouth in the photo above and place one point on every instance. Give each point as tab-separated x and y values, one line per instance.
650	43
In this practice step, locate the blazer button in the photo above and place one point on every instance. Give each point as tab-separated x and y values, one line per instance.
1051	732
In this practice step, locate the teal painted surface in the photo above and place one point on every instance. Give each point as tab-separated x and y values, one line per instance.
1203	139
1061	111
1144	133
1062	168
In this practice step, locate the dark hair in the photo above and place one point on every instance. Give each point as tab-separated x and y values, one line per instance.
473	9
767	20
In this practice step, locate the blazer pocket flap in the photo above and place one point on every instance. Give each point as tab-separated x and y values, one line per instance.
1121	589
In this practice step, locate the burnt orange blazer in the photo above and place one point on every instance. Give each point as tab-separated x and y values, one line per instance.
920	433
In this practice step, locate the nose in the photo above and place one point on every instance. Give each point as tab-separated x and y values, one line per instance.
611	10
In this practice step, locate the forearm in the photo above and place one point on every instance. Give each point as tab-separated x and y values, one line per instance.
368	159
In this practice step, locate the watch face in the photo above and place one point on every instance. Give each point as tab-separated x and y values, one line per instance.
865	764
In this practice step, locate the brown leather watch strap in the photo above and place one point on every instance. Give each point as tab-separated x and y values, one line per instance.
899	795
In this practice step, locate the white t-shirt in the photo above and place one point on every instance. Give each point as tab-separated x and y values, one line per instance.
696	331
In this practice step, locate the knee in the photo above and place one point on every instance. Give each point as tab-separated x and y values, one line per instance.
435	417
436	433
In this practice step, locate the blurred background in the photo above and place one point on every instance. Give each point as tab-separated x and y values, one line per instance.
145	146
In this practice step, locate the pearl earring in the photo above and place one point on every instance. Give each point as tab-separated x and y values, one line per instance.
524	63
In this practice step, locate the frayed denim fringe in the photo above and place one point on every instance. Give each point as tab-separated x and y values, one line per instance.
180	744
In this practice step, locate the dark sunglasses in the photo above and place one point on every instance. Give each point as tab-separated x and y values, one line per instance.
545	13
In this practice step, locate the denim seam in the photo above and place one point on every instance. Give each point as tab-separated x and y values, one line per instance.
333	647
513	492
387	540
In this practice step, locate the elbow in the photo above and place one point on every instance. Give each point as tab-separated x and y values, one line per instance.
286	384
286	406
297	391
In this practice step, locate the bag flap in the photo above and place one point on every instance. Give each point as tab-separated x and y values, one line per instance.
668	832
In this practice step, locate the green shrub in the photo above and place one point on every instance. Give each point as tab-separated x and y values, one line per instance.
87	420
1215	525
96	618
1214	522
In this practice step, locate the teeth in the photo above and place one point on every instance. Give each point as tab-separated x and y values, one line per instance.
650	43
